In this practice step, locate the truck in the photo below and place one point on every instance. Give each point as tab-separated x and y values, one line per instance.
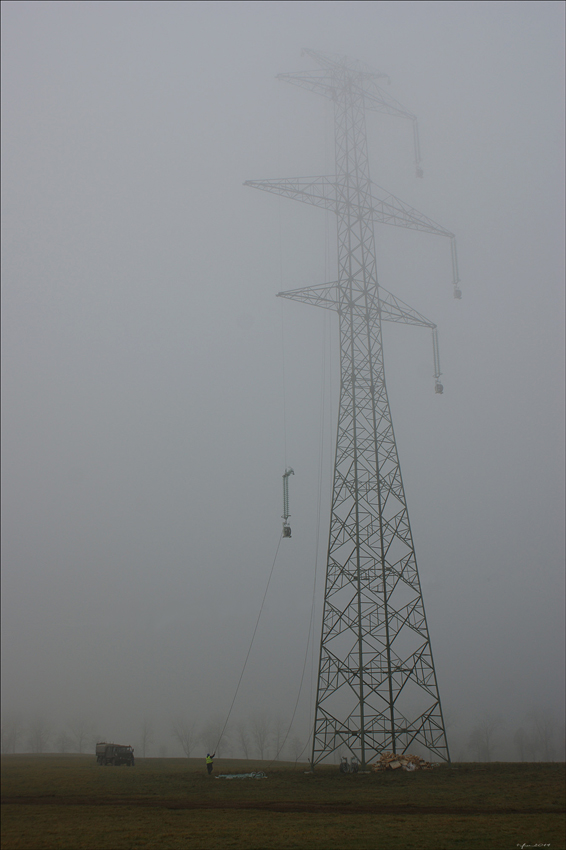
114	754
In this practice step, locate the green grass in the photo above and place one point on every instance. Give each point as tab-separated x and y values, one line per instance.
70	802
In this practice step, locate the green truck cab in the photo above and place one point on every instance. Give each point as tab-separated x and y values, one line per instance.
114	754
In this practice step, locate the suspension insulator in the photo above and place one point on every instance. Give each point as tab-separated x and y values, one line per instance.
286	475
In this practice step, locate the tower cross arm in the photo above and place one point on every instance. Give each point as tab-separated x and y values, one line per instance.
382	207
333	71
336	63
324	295
388	209
327	295
376	100
319	191
395	310
318	82
327	193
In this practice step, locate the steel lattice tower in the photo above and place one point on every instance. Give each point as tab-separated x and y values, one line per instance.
377	688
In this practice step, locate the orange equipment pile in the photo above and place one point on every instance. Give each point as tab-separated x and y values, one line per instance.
393	761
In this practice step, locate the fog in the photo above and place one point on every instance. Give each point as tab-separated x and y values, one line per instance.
154	388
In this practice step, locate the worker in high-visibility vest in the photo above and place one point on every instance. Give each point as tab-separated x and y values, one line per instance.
209	762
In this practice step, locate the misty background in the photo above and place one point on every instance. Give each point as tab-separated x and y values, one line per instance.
154	389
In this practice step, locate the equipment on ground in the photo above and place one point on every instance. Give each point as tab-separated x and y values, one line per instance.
114	754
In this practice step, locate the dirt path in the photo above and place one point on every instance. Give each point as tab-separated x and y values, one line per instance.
274	806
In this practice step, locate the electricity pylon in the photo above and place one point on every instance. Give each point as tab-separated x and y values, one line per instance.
377	687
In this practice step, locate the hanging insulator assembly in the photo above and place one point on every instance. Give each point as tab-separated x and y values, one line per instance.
455	275
286	514
438	388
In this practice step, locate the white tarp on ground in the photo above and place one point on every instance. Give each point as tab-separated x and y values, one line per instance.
258	775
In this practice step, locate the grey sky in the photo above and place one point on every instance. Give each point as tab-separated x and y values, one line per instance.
148	368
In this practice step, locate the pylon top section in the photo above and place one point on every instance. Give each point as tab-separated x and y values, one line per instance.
350	193
336	61
338	73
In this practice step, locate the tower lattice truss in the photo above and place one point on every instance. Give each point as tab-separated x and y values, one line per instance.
377	688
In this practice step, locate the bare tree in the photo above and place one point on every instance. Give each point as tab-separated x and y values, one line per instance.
260	726
12	731
63	742
93	738
482	738
82	731
243	738
214	739
279	731
543	734
185	733
296	747
523	744
146	736
39	734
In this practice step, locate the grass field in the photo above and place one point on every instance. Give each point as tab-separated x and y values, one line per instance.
68	801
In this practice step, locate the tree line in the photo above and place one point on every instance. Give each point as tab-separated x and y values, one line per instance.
540	737
261	736
40	735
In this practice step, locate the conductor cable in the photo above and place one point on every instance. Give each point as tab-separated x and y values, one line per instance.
251	644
